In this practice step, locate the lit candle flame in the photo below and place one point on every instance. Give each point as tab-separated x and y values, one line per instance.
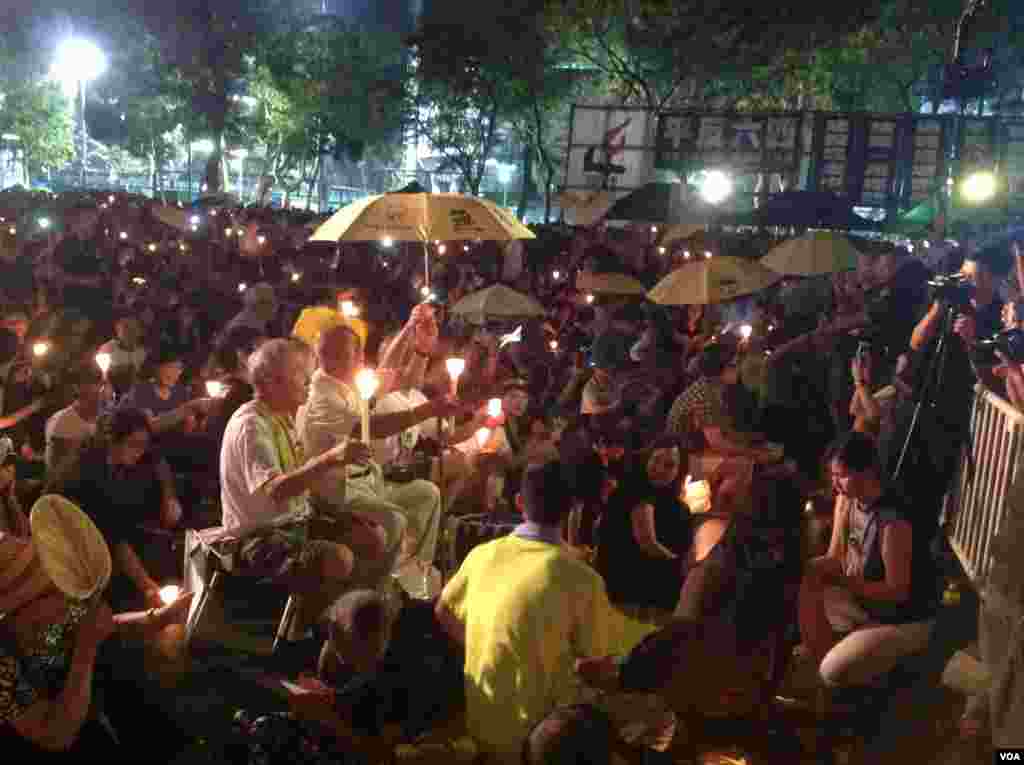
348	309
169	594
366	382
103	361
553	345
494	408
746	331
41	349
482	436
242	286
215	389
124	235
455	367
590	298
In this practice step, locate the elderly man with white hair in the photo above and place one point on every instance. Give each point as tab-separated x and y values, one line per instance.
265	481
328	421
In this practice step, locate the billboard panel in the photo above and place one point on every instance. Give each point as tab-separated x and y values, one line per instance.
893	161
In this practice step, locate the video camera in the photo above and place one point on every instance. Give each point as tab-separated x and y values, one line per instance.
955	290
1009	342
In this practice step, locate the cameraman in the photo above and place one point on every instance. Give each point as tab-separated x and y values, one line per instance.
982	317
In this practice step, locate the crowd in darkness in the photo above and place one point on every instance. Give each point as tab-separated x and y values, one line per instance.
609	605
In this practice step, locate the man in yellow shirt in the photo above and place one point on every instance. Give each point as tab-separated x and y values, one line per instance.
525	610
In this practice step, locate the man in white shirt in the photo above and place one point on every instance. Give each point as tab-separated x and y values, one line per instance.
328	420
69	428
265	480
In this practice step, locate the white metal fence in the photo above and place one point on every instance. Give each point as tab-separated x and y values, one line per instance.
978	502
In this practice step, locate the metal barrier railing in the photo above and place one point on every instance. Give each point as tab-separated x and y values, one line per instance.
977	504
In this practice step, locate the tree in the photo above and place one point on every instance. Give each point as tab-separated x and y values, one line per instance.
324	88
33	109
208	43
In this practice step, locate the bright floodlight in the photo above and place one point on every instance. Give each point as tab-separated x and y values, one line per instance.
504	174
716	187
77	61
979	187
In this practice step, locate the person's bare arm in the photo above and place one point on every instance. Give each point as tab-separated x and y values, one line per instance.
287	485
450	623
897	555
927	328
645	534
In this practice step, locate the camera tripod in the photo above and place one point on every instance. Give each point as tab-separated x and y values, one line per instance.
928	386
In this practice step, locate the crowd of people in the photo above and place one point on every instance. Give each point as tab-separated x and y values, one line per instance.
152	377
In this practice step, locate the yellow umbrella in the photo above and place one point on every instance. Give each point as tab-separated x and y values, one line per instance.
712	280
588	207
813	254
499	302
70	547
175	217
421	218
313	321
677	232
609	284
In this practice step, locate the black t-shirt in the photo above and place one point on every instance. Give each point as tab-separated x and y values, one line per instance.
17	280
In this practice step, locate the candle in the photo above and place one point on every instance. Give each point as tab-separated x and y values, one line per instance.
494	408
215	389
103	361
41	349
348	309
590	298
366	382
455	368
482	436
746	331
169	594
553	345
697	495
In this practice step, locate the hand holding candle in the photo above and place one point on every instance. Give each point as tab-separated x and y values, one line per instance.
215	389
366	382
455	368
494	408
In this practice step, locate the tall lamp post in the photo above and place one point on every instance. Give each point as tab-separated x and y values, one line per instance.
79	61
504	177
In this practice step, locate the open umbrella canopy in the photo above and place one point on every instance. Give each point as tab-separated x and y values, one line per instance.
497	302
418	217
804	209
173	216
813	254
70	547
415	187
663	203
712	280
609	283
678	232
586	207
314	320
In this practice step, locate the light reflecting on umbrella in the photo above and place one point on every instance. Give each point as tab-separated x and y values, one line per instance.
712	280
813	254
497	302
609	284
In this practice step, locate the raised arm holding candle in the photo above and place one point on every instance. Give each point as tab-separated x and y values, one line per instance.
366	383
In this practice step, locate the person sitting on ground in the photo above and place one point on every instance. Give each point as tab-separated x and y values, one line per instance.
50	667
125	348
122	483
265	480
163	393
871	600
68	429
524	608
646	532
386	673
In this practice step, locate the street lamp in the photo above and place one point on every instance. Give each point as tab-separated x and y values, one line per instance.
978	188
79	61
504	177
716	187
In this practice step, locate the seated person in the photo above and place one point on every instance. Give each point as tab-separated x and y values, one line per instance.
163	393
68	429
524	609
646	533
871	600
386	674
13	519
265	483
122	483
330	417
700	415
50	668
603	393
125	348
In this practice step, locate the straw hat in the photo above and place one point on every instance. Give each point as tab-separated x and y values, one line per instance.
71	549
22	578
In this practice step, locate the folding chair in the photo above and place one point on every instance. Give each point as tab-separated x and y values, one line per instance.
210	570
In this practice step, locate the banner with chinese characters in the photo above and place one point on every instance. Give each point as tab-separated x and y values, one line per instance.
889	161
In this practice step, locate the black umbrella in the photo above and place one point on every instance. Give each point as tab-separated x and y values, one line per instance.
412	188
807	209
